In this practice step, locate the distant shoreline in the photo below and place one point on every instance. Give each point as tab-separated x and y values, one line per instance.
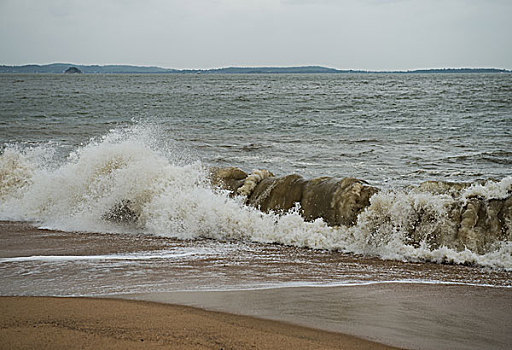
58	68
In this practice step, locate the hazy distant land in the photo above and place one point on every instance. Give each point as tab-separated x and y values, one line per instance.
57	68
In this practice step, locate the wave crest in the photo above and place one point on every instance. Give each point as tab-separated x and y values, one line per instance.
126	183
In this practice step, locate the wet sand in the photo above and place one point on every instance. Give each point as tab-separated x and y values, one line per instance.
413	316
405	315
70	323
23	239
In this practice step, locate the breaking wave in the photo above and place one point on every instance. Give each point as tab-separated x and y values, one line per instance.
127	182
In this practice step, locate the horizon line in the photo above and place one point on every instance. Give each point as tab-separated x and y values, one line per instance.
259	67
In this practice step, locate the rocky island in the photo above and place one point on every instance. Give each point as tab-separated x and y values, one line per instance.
73	70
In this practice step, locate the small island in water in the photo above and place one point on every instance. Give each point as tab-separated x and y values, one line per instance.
72	70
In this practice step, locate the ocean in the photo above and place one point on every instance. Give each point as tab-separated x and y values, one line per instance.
437	149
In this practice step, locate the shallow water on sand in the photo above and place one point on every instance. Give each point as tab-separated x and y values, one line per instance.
411	305
410	316
42	262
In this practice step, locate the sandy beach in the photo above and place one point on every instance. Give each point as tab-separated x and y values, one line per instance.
428	316
405	315
70	323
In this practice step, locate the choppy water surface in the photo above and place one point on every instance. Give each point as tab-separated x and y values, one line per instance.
397	129
74	147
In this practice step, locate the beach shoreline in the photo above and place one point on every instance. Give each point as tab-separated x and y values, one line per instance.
405	315
92	323
374	316
441	307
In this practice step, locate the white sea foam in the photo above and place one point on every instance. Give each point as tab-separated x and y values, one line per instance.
164	197
252	181
490	190
107	257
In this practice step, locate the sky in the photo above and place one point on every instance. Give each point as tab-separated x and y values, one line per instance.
344	34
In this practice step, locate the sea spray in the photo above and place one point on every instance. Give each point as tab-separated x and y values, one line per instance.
16	172
129	170
428	227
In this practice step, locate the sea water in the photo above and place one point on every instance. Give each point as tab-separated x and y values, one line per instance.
74	147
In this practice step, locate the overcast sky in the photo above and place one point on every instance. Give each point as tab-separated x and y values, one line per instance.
345	34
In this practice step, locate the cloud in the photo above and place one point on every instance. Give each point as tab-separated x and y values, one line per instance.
366	34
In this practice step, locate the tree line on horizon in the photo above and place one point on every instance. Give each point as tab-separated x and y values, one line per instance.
57	68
